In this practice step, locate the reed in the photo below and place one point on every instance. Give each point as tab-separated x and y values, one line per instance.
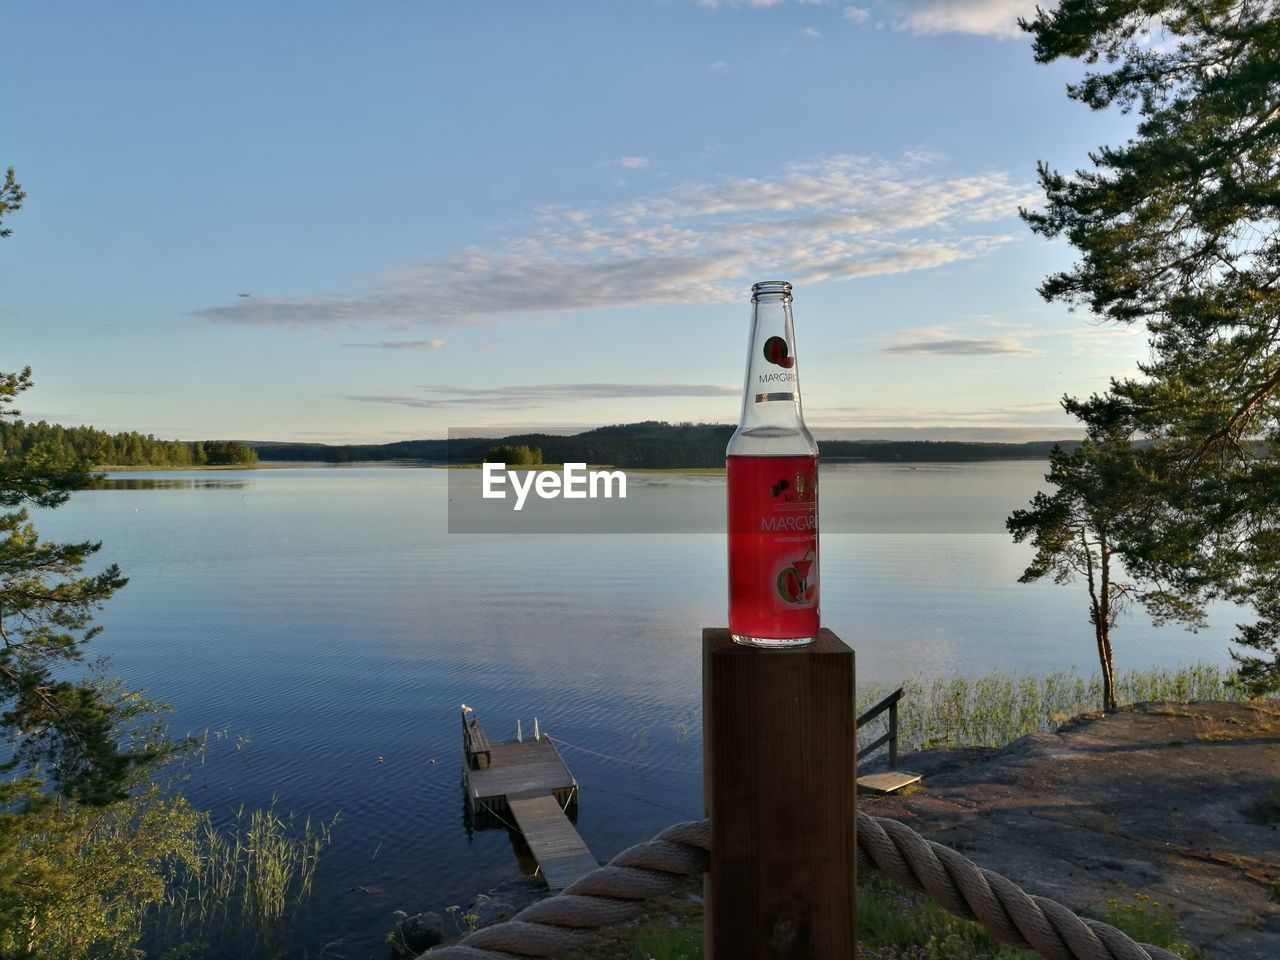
997	708
251	878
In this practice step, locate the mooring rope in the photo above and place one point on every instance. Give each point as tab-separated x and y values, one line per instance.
606	756
609	895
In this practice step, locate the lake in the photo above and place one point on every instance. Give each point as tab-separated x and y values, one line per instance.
325	619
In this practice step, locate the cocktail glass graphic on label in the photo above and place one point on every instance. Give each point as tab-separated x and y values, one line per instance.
802	568
793	582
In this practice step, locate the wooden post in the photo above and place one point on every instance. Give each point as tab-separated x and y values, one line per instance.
893	735
780	786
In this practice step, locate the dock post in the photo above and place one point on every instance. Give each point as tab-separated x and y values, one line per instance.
780	788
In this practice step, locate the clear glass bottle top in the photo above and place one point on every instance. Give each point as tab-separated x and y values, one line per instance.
772	422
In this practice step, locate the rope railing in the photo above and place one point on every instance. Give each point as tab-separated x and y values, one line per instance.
609	895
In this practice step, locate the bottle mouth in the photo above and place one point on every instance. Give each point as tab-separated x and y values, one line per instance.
766	288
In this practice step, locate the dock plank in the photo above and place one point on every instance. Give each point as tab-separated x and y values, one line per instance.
561	854
887	782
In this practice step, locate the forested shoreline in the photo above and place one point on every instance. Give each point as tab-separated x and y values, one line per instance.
129	449
649	444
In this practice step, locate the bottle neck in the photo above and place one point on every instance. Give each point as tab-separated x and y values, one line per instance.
772	421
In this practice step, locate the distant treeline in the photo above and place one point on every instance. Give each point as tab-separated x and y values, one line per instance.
653	444
119	449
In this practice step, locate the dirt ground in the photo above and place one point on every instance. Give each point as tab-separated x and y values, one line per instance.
1178	801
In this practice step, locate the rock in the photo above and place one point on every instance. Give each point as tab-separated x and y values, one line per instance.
506	900
1146	800
416	934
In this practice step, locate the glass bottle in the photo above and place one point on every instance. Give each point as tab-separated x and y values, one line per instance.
771	467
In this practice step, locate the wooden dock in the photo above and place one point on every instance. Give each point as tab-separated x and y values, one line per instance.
525	786
562	856
516	769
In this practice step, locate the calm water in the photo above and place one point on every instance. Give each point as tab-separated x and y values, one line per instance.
325	618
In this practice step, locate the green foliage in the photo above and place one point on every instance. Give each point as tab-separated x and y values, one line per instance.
1099	495
11	197
246	884
77	880
64	729
1150	921
664	942
227	453
96	447
997	708
464	923
83	826
515	456
897	924
1179	230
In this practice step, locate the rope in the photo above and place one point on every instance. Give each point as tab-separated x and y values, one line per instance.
609	895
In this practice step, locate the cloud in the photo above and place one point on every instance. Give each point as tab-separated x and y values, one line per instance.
633	163
963	434
400	344
720	66
856	14
902	415
715	4
810	32
523	396
959	347
995	18
953	342
833	218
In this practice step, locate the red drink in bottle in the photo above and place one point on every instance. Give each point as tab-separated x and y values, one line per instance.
771	468
773	547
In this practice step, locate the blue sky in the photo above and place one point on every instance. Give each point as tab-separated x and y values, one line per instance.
493	214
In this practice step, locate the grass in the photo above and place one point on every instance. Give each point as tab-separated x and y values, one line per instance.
253	877
1150	921
997	708
659	942
896	924
892	925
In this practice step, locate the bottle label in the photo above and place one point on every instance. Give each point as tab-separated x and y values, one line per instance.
773	546
778	354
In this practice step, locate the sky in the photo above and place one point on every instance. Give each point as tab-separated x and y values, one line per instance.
345	222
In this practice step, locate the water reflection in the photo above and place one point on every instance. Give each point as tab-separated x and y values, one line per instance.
164	483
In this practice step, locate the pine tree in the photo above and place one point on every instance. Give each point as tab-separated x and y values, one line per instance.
66	730
11	197
1179	230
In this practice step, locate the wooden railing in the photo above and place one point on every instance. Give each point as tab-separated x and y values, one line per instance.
475	745
889	703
